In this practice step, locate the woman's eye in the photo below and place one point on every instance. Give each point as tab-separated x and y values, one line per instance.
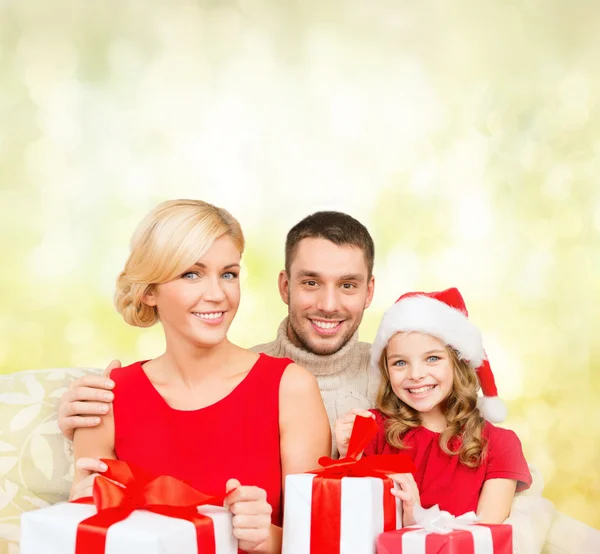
230	275
190	276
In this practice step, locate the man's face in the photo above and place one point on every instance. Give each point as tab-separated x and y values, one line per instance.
327	291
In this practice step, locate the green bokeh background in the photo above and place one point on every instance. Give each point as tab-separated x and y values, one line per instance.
465	135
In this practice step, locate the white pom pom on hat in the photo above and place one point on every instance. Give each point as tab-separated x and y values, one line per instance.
443	315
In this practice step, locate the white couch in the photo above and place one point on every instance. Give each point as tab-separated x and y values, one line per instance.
36	469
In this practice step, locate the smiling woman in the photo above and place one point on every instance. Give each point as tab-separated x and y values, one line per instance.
204	394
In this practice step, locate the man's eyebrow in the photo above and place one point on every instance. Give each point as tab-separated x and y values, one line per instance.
352	277
348	277
307	273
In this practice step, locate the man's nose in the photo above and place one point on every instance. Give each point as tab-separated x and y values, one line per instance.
328	300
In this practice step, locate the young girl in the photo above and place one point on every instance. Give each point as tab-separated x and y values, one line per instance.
206	411
432	361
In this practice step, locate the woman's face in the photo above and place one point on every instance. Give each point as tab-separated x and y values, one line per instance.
420	369
199	305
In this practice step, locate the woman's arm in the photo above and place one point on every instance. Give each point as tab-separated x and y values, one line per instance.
303	424
305	436
495	500
89	444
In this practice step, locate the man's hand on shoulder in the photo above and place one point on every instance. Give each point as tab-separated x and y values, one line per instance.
86	399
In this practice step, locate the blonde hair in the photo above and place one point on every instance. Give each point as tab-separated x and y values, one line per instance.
463	433
169	240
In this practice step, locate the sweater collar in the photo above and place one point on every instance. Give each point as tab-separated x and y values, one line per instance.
327	364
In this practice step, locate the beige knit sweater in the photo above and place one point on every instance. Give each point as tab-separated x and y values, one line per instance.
344	378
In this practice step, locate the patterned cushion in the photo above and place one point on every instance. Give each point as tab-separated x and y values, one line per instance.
36	464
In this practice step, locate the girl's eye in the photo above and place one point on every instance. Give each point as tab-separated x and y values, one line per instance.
230	275
190	276
433	358
400	363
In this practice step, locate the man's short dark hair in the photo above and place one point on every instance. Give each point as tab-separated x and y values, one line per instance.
337	227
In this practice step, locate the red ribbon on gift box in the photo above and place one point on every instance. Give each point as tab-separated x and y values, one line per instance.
325	522
124	488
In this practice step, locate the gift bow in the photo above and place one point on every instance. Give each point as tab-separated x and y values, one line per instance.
434	520
433	524
125	487
326	502
363	432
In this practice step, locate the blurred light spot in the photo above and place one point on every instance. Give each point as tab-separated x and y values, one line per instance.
424	179
535	156
224	20
544	461
507	368
574	90
401	273
558	183
52	259
79	332
4	350
473	217
534	274
568	223
151	343
573	117
575	505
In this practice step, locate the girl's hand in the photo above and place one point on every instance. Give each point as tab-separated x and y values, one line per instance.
409	494
90	468
343	429
251	515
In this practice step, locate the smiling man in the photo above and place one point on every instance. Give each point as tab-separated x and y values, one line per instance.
327	284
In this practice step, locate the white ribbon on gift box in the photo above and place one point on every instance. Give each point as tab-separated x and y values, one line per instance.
434	520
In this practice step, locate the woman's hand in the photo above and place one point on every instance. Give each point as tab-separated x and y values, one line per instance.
343	429
89	469
251	515
409	494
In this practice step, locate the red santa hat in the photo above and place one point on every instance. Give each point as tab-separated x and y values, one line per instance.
443	315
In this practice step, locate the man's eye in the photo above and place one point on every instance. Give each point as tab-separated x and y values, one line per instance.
349	286
310	283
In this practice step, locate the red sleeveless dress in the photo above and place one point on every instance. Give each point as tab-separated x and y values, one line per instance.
236	437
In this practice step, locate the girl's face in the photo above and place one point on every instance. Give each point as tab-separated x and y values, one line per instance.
199	305
420	369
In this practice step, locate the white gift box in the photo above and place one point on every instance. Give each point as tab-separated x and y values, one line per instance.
53	530
362	514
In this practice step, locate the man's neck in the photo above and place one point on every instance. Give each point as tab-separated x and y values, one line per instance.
318	364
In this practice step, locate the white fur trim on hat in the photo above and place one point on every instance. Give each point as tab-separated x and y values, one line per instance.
492	408
432	317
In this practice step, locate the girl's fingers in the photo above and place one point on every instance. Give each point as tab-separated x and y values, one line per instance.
362	413
402	495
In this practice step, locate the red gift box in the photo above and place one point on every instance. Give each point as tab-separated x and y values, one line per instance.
124	488
319	512
469	539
